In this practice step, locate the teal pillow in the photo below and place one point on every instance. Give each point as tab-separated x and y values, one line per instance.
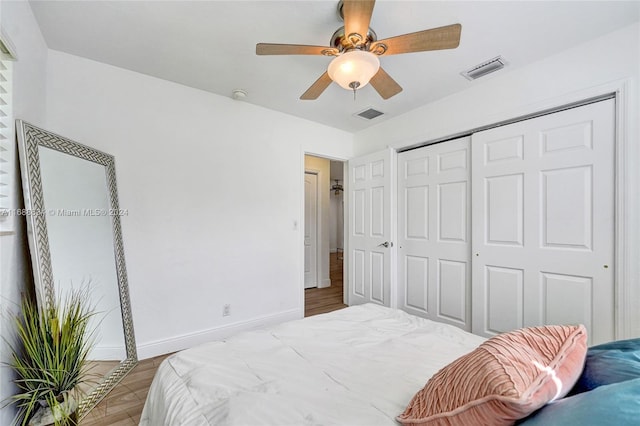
609	363
616	404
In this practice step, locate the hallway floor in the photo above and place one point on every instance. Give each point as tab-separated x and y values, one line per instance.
322	300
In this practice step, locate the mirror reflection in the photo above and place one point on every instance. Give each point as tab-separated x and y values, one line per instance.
81	243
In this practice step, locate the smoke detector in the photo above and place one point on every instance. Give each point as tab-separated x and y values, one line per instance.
239	94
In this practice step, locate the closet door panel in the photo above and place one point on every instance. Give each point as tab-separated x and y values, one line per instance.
504	296
416	211
504	204
567	208
434	270
567	299
543	205
416	280
452	283
452	202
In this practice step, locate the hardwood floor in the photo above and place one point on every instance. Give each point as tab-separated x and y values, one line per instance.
123	405
321	300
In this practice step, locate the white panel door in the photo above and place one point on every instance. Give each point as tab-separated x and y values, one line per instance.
370	247
543	223
310	230
434	232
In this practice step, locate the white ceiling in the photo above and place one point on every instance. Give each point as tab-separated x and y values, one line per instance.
210	45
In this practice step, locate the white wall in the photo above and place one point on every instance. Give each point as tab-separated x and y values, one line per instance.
570	76
321	166
336	221
213	187
19	25
336	209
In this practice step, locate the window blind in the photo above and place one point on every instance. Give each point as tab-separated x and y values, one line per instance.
7	146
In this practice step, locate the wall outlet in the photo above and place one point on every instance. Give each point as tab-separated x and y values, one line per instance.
226	310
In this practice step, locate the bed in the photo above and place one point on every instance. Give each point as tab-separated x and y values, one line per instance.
356	366
361	365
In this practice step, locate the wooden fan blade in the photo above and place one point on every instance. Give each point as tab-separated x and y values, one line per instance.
384	84
434	39
357	16
317	88
293	49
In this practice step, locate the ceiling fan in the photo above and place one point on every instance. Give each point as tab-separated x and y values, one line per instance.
356	50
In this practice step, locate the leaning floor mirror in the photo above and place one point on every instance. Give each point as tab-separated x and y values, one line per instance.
75	239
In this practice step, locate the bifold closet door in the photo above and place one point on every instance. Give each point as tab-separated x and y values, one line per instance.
543	222
434	270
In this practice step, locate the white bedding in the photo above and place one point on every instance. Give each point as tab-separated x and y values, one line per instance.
356	366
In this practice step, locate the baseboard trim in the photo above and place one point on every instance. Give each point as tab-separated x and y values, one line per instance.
177	343
107	353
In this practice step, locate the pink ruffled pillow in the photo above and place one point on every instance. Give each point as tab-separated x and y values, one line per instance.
505	379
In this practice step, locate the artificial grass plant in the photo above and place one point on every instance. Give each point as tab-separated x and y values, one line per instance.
52	344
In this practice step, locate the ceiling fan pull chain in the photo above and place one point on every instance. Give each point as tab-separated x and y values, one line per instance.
354	85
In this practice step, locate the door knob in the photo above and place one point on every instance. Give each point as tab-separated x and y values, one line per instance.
386	244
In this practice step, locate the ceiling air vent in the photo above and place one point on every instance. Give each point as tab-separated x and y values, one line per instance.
369	114
485	68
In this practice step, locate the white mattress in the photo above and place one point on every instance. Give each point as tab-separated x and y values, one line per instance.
356	366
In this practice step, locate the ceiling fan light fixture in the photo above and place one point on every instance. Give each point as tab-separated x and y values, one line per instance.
353	69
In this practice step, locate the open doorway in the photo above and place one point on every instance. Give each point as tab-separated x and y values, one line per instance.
323	235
